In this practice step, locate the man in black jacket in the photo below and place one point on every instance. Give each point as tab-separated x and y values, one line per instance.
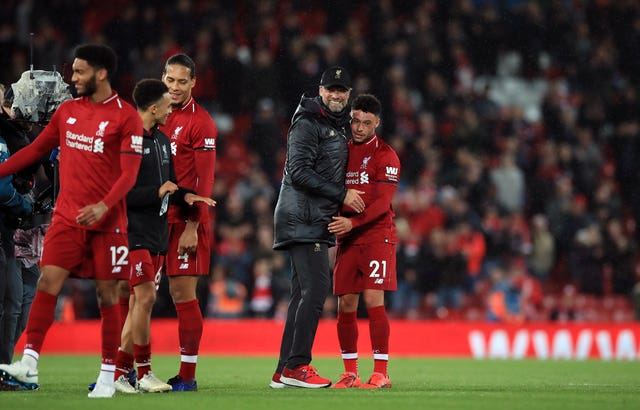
312	191
147	204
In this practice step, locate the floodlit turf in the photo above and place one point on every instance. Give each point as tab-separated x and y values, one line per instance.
242	383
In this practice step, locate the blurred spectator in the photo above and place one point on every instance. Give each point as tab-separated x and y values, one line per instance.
227	296
493	107
543	254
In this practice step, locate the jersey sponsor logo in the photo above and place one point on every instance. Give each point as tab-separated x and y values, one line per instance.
210	143
101	128
139	272
98	146
174	148
71	120
364	178
136	143
176	133
79	141
365	162
392	174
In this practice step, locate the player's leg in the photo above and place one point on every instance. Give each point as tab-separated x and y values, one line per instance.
347	284
109	259
381	258
145	285
124	357
348	338
190	324
183	272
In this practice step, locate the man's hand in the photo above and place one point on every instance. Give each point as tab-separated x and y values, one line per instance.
192	198
340	225
91	214
169	187
188	242
353	200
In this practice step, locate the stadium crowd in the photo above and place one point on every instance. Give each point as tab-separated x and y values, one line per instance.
516	123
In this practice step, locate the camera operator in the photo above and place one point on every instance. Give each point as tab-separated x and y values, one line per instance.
13	206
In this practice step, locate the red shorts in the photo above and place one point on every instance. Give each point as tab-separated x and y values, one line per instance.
86	254
366	266
144	267
193	263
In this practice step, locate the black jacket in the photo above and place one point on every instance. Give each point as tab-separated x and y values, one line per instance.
313	186
148	229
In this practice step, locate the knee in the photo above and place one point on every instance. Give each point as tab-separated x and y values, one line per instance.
146	300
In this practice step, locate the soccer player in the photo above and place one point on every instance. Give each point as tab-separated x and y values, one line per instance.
192	133
147	204
311	193
100	140
366	253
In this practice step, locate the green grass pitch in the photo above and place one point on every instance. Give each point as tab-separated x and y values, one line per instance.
242	383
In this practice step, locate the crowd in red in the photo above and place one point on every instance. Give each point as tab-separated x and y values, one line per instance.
516	123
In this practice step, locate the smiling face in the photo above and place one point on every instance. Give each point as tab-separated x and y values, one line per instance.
85	77
178	79
363	125
335	98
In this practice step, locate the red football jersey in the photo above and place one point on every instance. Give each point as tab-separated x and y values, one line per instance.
91	137
193	134
374	168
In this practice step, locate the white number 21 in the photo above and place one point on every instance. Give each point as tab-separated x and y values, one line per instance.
375	265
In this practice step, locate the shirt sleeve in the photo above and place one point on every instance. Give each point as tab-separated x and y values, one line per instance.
386	179
204	142
130	158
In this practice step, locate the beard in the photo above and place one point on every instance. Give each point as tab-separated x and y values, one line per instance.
90	87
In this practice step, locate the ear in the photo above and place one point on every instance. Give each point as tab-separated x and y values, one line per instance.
102	74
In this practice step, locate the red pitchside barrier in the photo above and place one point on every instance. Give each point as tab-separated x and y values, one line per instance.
408	338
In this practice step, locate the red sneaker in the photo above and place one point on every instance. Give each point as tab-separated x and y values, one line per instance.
275	382
347	380
304	376
377	381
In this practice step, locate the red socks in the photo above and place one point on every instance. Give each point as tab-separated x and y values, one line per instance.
189	334
143	359
124	364
379	330
40	319
110	333
348	338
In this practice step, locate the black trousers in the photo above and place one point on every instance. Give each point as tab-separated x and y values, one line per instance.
310	285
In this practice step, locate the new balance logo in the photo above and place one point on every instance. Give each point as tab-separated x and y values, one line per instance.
184	266
116	269
71	120
378	281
